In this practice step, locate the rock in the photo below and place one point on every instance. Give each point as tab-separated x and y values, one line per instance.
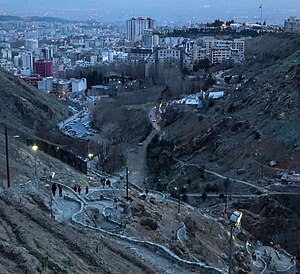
149	222
241	171
280	116
272	163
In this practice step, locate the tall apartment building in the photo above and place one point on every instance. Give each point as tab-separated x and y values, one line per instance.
136	26
43	68
292	25
27	60
149	38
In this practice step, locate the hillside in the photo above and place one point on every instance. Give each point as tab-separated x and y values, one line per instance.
78	239
243	132
23	109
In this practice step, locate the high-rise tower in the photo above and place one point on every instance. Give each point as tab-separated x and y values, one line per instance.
136	26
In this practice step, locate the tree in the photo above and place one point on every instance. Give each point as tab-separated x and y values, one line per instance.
201	64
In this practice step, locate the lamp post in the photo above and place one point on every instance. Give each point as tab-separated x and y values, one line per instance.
51	176
35	148
7	157
235	221
178	198
127	183
7	161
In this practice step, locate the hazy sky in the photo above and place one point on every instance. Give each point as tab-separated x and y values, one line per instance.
273	11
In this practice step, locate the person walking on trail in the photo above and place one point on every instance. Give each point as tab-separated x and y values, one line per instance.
103	182
147	191
86	189
108	183
79	190
60	190
53	188
75	188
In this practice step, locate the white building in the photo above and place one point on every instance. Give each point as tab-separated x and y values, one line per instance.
27	60
78	85
6	64
31	44
46	84
6	53
219	50
292	25
172	56
149	38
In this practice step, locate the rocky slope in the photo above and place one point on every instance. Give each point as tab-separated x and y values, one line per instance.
242	133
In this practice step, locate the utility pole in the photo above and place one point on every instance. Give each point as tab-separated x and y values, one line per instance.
127	182
7	160
230	251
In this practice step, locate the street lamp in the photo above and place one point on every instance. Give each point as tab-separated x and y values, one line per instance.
51	176
176	188
7	158
235	221
127	183
35	148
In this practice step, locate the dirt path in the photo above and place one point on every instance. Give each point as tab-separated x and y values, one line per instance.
136	162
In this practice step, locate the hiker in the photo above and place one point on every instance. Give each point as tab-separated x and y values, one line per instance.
60	190
86	189
147	191
103	181
79	189
108	183
75	188
53	188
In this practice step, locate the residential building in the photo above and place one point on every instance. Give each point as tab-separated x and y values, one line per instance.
27	61
6	64
31	44
219	50
43	68
46	84
32	79
172	56
79	86
292	25
149	38
136	26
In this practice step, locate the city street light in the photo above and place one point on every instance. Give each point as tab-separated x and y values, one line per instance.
235	221
35	148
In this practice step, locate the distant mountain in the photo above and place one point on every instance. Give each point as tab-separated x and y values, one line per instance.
34	18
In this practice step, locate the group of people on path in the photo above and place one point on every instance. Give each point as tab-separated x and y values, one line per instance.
77	188
105	182
54	188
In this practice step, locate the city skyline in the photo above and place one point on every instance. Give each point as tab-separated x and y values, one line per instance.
164	12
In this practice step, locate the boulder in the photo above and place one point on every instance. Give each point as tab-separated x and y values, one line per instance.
150	223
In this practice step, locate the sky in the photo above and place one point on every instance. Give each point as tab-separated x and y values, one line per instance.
163	11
